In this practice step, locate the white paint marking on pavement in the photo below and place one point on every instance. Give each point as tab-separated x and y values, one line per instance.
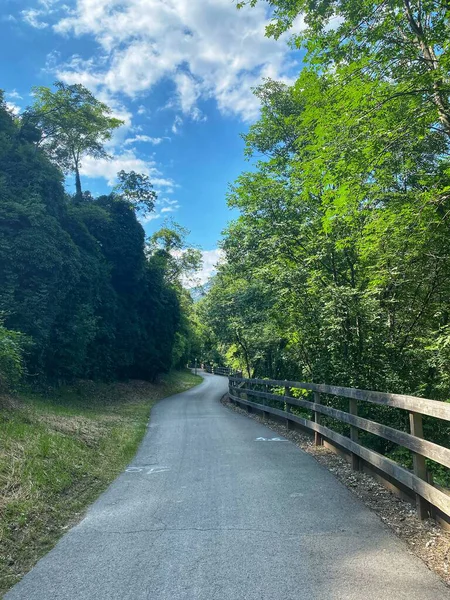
157	470
275	439
148	471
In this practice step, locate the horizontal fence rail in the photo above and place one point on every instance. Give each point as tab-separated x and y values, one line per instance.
248	392
221	371
217	370
226	371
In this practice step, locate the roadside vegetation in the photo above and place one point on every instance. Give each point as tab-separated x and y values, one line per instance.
338	268
83	292
86	301
59	450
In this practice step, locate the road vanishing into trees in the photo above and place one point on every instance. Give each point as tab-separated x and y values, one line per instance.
215	506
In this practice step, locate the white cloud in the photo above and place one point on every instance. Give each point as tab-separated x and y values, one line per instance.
144	138
14	94
210	259
207	48
13	108
48	4
161	182
189	91
126	161
163	207
147	218
177	124
32	17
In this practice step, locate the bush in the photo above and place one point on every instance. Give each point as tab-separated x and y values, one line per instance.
11	358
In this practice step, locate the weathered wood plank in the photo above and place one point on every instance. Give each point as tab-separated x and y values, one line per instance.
287	393
420	467
424	447
354	433
318	441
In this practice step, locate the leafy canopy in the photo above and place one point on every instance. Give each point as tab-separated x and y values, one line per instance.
137	189
73	124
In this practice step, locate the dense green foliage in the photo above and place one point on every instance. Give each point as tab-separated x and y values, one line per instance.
338	269
11	358
77	278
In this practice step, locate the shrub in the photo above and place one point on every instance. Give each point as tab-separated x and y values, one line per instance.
11	358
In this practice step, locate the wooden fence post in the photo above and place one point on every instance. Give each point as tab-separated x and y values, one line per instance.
318	440
420	467
266	415
287	393
248	386
354	433
230	391
240	394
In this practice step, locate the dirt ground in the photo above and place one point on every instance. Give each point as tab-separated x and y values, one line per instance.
425	539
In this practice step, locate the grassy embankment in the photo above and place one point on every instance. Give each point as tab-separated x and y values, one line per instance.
59	451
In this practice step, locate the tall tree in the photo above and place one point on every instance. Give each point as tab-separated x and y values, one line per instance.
74	124
137	189
169	245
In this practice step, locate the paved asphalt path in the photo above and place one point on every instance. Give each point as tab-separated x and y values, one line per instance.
206	511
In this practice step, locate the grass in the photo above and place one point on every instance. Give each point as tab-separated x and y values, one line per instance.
59	451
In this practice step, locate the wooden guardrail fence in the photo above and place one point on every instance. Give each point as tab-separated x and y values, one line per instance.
226	371
427	495
221	371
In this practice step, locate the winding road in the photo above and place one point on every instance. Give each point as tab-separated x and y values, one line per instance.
214	508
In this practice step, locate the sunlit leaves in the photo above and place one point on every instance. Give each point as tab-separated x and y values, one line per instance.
73	124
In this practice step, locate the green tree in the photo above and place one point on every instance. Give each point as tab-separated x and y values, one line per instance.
169	250
169	245
402	41
137	189
238	312
75	277
73	124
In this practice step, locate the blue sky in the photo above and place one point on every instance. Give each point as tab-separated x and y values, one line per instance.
178	72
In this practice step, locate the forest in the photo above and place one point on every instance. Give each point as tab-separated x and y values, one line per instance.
337	269
83	293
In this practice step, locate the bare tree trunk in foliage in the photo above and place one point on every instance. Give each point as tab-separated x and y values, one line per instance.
246	357
428	53
79	192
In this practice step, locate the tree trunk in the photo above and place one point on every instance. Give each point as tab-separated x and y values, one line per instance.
428	53
79	192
